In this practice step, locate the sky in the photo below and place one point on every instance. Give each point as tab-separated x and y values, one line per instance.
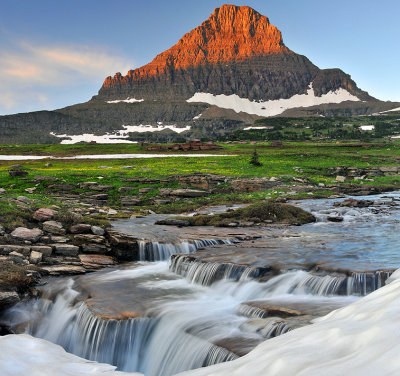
55	53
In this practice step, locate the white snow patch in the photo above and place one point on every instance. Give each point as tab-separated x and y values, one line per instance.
22	354
367	127
127	100
359	340
272	107
250	128
197	117
392	110
118	137
107	156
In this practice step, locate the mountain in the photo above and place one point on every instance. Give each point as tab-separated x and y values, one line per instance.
232	69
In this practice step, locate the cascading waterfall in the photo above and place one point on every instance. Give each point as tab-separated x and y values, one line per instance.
206	273
157	251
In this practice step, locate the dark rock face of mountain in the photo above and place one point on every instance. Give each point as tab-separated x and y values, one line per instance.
236	51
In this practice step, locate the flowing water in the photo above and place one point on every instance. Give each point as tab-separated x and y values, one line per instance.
171	312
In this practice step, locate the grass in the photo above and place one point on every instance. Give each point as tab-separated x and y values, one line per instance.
305	159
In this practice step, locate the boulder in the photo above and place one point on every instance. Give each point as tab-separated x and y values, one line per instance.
8	299
44	214
88	238
35	257
96	230
54	227
25	200
23	233
81	228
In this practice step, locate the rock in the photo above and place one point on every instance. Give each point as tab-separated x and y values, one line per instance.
35	257
2	191
8	299
64	269
46	251
54	227
102	188
2	230
96	230
128	202
30	190
40	178
125	189
17	257
62	187
353	203
44	214
340	179
25	200
146	189
96	261
335	218
59	239
100	197
94	248
188	193
23	233
173	222
9	248
112	212
88	238
81	228
17	170
66	249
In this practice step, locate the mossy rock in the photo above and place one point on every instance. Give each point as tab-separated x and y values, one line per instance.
267	212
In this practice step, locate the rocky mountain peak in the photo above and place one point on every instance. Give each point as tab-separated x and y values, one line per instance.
231	33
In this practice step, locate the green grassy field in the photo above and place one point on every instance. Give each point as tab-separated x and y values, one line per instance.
291	160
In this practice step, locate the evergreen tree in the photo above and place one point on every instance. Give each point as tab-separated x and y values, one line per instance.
254	159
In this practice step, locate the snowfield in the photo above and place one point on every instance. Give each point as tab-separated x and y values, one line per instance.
272	107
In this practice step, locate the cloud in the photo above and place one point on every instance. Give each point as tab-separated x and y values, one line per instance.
30	72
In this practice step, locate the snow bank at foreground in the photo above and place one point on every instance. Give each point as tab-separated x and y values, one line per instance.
25	355
360	339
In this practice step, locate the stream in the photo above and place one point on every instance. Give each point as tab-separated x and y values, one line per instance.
203	296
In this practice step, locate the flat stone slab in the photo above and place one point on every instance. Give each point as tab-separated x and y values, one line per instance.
64	269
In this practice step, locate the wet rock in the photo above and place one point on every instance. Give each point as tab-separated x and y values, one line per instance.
44	214
64	269
25	200
54	227
96	230
35	257
173	222
81	228
23	233
96	261
8	299
66	249
335	218
353	203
